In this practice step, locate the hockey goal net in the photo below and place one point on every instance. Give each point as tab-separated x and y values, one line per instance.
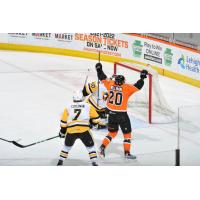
149	103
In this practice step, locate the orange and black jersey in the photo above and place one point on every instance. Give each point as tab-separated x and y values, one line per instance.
118	95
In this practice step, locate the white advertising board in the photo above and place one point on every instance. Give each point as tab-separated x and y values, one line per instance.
145	50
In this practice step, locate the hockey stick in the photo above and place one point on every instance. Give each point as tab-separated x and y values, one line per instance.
6	140
86	77
24	146
98	80
10	141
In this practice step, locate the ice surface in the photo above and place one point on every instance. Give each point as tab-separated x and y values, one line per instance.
34	90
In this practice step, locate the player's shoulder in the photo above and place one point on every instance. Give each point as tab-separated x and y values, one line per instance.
68	105
110	82
92	87
78	105
102	86
107	81
86	104
129	86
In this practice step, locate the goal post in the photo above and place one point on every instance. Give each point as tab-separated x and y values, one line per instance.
150	97
116	64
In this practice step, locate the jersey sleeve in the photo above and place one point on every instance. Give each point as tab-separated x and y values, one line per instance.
131	89
63	121
94	115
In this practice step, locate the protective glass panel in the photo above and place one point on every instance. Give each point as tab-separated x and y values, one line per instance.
189	135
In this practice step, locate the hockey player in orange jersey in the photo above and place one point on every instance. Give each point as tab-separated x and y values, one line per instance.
119	93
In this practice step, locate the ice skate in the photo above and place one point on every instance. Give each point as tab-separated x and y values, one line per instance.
94	164
102	151
129	156
60	163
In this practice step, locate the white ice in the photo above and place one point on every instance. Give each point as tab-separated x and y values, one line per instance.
34	90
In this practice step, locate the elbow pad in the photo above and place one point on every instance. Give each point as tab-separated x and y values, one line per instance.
139	84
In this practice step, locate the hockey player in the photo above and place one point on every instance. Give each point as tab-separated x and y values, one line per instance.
119	93
97	99
75	125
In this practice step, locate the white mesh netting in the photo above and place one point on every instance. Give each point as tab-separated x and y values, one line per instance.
139	102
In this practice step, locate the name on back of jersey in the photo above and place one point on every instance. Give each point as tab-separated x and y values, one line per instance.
117	88
78	106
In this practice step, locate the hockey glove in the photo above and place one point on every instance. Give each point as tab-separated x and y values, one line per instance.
98	67
143	74
105	96
62	132
61	135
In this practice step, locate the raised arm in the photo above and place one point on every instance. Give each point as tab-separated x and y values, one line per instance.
140	83
101	75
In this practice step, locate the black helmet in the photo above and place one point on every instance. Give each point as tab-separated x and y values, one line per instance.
119	79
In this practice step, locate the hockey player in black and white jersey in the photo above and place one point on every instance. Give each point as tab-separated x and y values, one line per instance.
75	125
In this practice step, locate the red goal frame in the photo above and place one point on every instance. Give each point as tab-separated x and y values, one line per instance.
150	86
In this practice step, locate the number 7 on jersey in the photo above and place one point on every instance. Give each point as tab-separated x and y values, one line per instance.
77	112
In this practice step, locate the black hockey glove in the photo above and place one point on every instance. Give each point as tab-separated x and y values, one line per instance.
98	67
100	73
143	74
61	135
62	132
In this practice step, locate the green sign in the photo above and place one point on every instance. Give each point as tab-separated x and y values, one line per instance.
168	57
137	48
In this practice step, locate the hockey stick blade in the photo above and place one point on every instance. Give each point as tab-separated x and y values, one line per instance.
86	77
6	140
18	145
24	146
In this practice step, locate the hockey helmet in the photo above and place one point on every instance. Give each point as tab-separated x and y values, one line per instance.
119	79
78	96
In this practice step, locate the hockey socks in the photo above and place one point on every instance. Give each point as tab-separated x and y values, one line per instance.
108	138
127	143
93	155
64	153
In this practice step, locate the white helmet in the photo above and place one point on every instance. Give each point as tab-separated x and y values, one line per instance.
78	96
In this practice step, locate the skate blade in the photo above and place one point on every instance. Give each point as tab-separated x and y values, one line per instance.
133	158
